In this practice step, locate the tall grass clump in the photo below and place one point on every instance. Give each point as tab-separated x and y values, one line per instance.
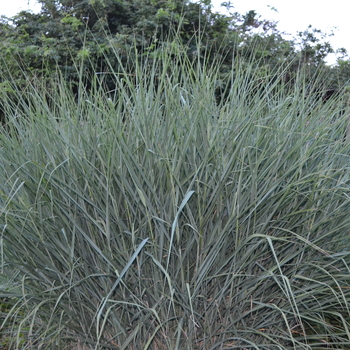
155	217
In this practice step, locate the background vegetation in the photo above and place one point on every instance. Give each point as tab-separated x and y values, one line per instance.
175	193
67	31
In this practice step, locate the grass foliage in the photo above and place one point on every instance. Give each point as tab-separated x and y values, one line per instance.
154	217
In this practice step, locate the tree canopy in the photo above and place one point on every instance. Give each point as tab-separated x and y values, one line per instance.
70	35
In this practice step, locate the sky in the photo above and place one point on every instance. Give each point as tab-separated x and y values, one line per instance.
296	15
293	16
10	8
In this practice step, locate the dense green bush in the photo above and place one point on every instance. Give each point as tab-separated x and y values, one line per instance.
64	31
153	218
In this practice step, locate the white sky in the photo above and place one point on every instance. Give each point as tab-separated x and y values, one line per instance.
293	15
10	8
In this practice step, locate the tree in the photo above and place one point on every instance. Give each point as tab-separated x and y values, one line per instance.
111	35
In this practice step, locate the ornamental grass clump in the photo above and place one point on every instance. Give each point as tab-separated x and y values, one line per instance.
155	216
